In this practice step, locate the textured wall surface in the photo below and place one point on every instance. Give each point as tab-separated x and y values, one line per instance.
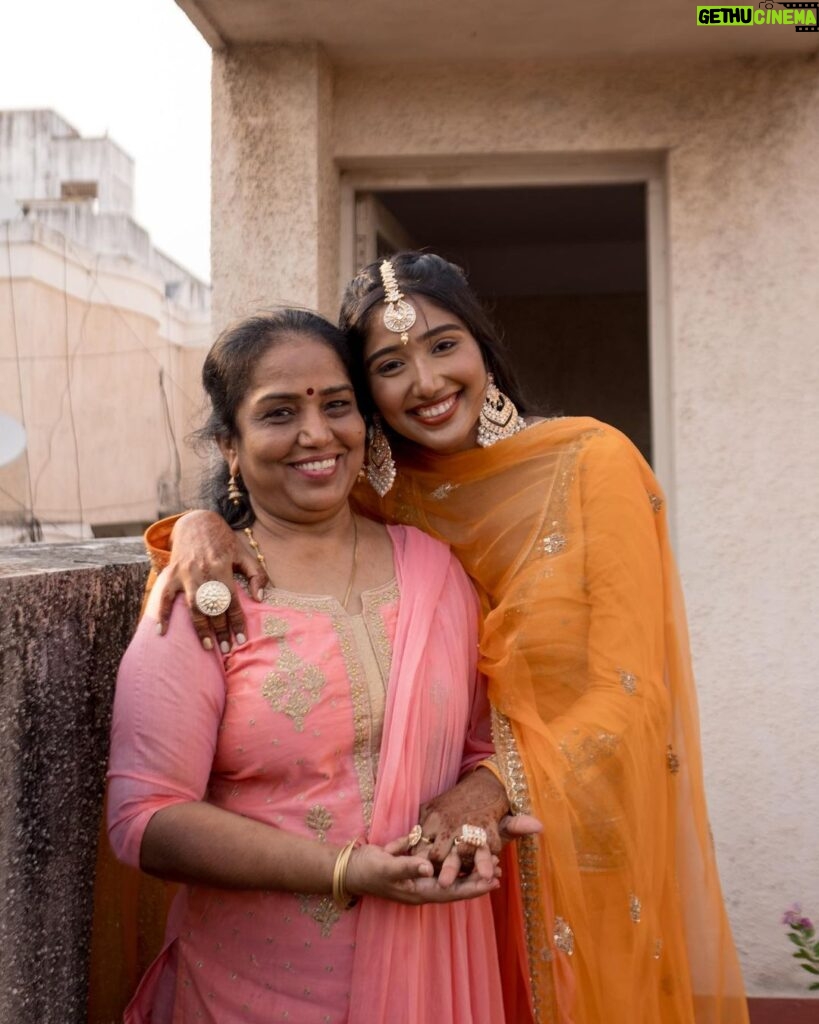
741	146
275	209
67	613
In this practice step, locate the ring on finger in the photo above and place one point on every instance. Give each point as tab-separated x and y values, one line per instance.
416	836
471	835
213	598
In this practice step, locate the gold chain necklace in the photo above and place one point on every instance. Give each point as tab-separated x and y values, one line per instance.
263	562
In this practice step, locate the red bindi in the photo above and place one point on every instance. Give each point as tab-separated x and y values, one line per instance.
310	391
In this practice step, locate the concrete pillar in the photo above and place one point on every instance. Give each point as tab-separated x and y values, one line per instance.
275	186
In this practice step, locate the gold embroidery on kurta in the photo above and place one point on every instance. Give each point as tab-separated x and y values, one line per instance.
635	908
628	681
320	821
275	627
293	688
359	695
323	911
656	502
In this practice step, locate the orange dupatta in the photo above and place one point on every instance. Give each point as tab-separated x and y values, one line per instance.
563	529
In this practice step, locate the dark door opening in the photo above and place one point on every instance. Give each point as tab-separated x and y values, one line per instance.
563	269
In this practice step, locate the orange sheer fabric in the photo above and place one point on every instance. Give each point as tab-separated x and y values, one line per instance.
563	529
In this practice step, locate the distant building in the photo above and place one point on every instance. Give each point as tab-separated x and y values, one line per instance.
102	338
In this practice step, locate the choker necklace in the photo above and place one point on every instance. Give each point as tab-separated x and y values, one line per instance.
263	562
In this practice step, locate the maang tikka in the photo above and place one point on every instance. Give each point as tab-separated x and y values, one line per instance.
399	315
380	463
499	417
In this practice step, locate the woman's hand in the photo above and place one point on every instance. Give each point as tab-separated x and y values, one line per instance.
478	799
205	548
389	873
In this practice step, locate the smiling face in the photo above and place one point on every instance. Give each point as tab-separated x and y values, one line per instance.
430	390
299	440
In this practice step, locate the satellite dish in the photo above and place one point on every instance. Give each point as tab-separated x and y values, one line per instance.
12	439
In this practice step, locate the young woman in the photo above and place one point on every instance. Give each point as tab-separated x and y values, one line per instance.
281	781
562	526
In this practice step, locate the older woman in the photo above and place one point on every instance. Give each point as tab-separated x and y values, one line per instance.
279	781
562	526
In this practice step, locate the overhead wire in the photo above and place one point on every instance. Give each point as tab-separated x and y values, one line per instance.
32	524
176	457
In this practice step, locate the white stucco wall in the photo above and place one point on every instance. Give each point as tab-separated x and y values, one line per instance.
39	150
741	142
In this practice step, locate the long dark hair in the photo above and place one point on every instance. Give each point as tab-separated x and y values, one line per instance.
227	373
444	283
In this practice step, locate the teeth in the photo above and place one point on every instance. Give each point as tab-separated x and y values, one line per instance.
316	467
431	411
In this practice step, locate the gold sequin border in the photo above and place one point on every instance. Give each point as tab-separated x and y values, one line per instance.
372	605
360	698
537	937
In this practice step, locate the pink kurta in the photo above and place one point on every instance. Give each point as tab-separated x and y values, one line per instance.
287	729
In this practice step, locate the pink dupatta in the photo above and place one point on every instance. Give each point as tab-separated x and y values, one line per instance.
434	962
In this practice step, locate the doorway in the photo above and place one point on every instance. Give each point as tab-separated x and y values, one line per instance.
564	271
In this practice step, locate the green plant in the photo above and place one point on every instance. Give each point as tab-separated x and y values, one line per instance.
802	934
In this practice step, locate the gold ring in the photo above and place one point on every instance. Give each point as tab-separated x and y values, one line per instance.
213	598
417	836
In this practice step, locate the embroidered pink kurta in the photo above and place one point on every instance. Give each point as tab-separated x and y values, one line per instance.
330	726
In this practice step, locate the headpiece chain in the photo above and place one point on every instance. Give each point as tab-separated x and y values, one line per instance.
399	315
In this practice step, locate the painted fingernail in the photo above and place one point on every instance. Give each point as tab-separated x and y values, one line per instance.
224	647
207	643
241	638
159	629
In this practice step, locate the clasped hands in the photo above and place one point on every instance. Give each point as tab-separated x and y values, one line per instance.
437	870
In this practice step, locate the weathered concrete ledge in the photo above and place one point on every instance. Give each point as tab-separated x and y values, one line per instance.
67	613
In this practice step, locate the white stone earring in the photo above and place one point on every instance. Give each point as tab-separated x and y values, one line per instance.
499	417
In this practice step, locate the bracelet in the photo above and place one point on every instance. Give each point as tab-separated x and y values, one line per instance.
341	897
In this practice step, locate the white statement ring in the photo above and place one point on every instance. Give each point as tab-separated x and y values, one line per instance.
471	835
213	598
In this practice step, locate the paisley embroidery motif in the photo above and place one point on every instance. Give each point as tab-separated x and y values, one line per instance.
294	686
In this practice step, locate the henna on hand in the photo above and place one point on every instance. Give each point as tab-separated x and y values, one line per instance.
205	548
478	799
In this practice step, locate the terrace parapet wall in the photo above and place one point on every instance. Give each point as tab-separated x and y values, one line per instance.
67	612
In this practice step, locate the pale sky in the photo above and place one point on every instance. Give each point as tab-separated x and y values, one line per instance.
138	70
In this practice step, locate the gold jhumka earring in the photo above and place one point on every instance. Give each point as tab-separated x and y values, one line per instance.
399	315
380	463
234	494
499	417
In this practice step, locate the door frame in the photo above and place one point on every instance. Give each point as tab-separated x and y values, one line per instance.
647	168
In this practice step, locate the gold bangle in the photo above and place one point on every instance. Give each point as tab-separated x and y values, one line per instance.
341	897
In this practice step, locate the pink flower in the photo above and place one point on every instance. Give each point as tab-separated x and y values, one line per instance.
793	916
